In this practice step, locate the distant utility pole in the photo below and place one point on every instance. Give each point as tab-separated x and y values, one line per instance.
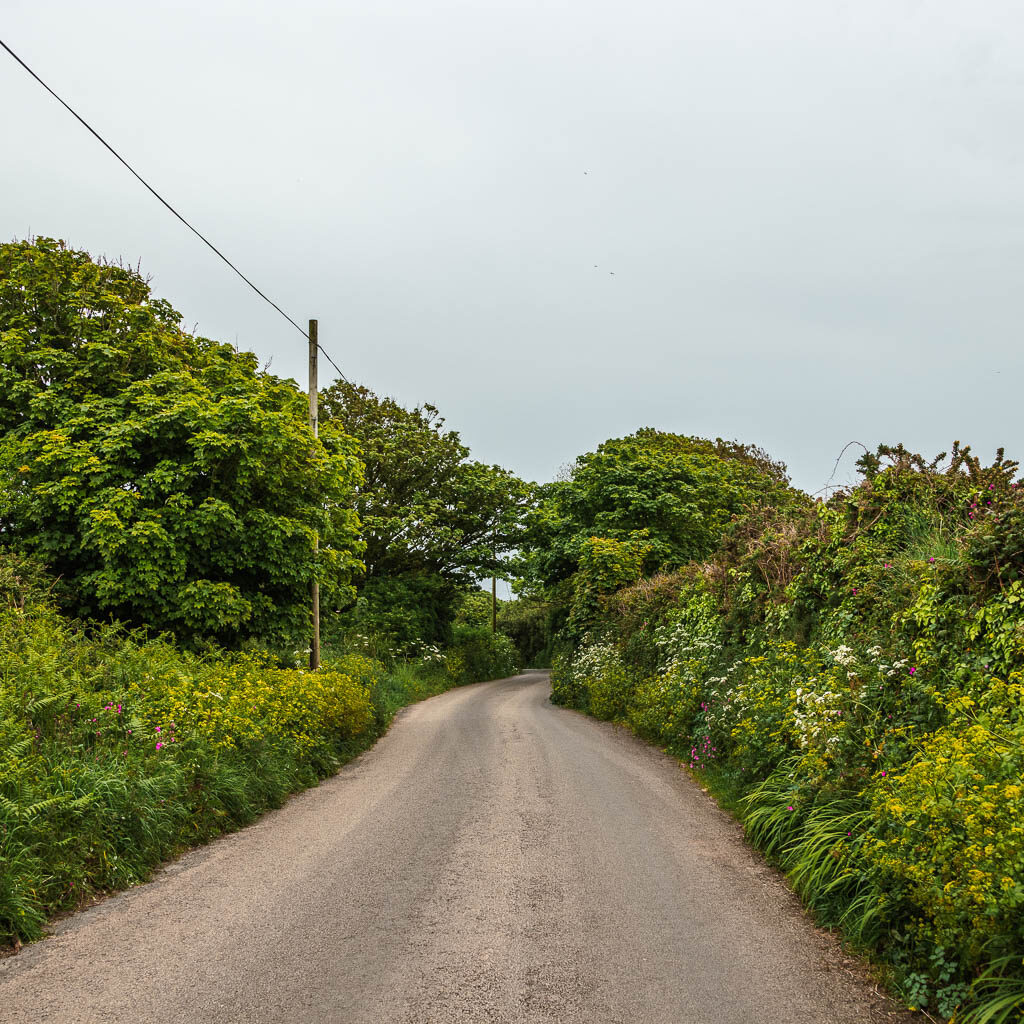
314	587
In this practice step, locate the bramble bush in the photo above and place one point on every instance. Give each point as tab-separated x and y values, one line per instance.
849	678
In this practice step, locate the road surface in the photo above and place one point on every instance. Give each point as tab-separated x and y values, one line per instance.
492	859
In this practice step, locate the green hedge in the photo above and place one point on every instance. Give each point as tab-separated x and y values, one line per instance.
850	681
118	752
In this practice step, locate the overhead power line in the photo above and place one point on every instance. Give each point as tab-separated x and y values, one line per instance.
331	361
78	117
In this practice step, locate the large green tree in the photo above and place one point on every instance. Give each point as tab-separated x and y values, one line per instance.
163	477
433	519
665	498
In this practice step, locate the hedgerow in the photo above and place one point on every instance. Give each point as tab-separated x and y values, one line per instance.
118	751
849	678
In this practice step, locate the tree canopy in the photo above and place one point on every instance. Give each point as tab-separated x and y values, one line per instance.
165	478
665	498
433	519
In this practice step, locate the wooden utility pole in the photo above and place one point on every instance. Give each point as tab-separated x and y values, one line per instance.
314	587
494	581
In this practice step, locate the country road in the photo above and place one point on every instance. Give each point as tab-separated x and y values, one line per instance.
492	859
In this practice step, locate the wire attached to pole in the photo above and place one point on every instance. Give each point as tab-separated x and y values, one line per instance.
78	117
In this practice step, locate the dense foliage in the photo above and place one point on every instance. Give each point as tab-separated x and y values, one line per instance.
531	624
849	677
651	501
117	752
433	519
163	478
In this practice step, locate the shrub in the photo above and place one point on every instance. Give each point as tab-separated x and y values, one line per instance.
531	625
950	831
476	653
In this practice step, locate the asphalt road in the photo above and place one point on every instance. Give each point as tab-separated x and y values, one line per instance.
492	859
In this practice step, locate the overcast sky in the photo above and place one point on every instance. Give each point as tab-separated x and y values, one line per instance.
796	224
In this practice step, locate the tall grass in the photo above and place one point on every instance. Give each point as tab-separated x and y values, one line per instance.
998	994
819	849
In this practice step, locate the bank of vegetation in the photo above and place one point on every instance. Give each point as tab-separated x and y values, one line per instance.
119	751
159	496
847	676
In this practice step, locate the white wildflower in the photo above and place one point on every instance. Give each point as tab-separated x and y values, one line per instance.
844	655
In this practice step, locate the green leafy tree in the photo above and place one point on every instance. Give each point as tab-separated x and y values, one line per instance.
434	520
475	608
671	496
165	479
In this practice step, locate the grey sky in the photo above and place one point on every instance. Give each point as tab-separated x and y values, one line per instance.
806	216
